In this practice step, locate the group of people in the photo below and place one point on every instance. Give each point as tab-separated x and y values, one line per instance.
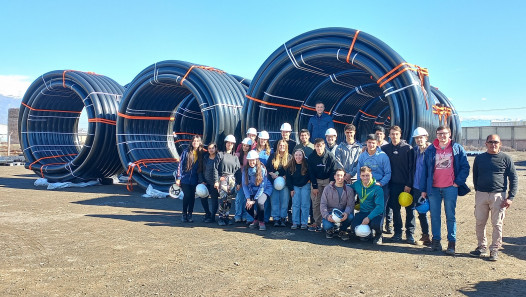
361	182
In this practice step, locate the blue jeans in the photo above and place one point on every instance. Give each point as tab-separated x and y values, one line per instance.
301	205
343	225
449	195
280	203
241	211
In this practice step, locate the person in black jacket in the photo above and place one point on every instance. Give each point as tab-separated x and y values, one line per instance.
298	183
210	178
322	165
401	160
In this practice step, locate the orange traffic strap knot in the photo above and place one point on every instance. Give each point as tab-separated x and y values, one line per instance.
442	111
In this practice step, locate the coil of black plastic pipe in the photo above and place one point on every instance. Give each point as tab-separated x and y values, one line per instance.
48	126
164	107
359	78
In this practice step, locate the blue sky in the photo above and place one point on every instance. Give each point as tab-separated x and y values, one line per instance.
474	50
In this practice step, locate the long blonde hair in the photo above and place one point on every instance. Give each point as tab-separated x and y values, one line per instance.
267	147
281	159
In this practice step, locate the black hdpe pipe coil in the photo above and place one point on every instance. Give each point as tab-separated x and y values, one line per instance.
360	79
48	126
164	107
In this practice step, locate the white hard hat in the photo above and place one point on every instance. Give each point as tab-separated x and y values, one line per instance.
247	141
230	138
252	131
279	183
337	215
175	191
286	127
331	131
201	191
252	155
264	135
419	131
362	230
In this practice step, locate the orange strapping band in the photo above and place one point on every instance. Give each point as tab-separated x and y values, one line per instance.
442	111
272	104
104	121
122	115
64	75
200	67
42	168
36	109
406	66
51	157
185	133
352	45
182	140
367	114
143	162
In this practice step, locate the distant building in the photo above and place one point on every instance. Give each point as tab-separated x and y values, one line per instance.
3	133
498	123
12	124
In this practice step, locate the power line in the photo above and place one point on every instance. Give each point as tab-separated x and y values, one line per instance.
494	109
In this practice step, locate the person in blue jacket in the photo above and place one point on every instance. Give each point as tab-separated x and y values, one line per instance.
187	176
444	175
319	123
257	188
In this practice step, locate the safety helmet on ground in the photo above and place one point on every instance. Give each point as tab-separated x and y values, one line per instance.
247	141
331	132
419	131
264	135
337	215
201	191
252	155
405	199
362	230
279	183
286	127
175	192
230	138
422	205
252	131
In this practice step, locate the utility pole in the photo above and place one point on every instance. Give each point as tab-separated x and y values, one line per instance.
9	143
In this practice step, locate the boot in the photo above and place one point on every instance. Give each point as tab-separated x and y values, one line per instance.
450	248
436	245
184	218
425	239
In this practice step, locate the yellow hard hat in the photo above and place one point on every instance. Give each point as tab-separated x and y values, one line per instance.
405	199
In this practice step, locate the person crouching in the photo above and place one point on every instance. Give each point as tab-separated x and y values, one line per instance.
339	196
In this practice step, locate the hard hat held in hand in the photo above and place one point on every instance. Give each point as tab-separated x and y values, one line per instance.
175	192
201	191
337	215
405	199
422	205
362	230
279	183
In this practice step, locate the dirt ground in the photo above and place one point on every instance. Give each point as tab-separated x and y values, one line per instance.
105	241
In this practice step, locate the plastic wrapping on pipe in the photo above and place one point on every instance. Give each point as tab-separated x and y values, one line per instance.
164	107
359	78
48	126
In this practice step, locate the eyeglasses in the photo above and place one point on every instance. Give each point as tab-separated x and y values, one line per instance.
493	142
443	133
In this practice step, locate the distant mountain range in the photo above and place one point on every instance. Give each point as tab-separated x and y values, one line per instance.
5	104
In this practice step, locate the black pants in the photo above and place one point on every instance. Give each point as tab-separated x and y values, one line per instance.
395	190
214	194
188	198
422	217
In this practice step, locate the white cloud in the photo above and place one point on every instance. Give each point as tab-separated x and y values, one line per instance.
484	99
14	85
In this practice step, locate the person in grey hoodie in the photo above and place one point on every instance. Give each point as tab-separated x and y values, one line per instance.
339	196
347	153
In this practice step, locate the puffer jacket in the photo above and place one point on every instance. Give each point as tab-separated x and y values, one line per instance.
330	199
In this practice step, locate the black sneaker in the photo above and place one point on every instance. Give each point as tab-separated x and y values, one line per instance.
396	238
377	240
184	218
493	255
343	235
479	252
189	218
276	223
282	223
221	222
329	233
410	239
229	221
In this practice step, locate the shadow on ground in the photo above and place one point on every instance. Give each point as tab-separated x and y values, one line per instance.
503	287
